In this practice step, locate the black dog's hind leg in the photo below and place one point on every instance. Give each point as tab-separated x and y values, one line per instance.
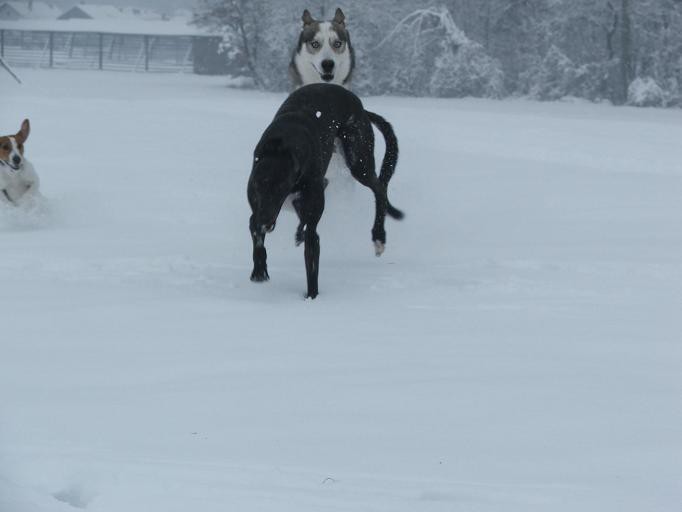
260	255
358	148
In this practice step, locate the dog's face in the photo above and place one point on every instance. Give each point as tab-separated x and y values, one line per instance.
324	50
12	148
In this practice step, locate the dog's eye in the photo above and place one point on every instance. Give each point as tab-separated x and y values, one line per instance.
338	44
315	44
6	147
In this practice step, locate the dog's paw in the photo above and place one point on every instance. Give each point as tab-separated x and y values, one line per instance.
300	237
379	248
260	277
311	296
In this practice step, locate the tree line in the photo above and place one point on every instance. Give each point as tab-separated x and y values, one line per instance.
623	51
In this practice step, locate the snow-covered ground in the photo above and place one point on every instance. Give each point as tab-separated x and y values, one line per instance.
517	348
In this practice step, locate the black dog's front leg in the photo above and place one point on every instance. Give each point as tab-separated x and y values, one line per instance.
312	260
311	208
260	267
300	230
298	207
260	256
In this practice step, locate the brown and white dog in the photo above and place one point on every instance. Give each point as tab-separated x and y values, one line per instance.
324	53
19	183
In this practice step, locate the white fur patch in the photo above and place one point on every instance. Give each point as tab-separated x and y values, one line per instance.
289	202
22	186
15	152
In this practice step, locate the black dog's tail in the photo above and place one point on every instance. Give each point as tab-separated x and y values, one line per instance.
394	212
390	158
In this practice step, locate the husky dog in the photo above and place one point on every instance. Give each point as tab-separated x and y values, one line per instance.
324	53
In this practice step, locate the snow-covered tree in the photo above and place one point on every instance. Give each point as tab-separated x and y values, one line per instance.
254	33
645	92
437	58
546	49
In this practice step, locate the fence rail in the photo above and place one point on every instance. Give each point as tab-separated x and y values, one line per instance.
99	51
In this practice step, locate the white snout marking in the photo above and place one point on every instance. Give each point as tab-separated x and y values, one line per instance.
15	153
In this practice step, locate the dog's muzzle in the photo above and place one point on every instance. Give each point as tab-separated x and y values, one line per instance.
328	70
327	73
15	168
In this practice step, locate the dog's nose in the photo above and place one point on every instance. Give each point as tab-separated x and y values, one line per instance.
328	66
16	160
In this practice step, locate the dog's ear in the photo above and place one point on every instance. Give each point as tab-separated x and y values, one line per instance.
307	18
339	17
22	135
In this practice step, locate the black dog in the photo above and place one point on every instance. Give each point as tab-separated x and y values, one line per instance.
292	158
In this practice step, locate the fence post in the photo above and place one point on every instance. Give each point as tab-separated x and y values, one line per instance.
193	53
51	49
101	51
146	53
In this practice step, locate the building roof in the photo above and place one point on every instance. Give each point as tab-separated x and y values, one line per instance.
108	26
38	10
94	12
141	13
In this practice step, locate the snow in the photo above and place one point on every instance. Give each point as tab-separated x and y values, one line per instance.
99	11
645	92
516	348
38	10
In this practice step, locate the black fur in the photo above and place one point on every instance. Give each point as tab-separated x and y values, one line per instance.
391	157
292	158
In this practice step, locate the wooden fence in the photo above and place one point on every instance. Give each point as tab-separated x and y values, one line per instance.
105	51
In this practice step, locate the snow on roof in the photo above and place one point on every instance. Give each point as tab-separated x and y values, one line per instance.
175	27
100	12
39	10
95	12
141	13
